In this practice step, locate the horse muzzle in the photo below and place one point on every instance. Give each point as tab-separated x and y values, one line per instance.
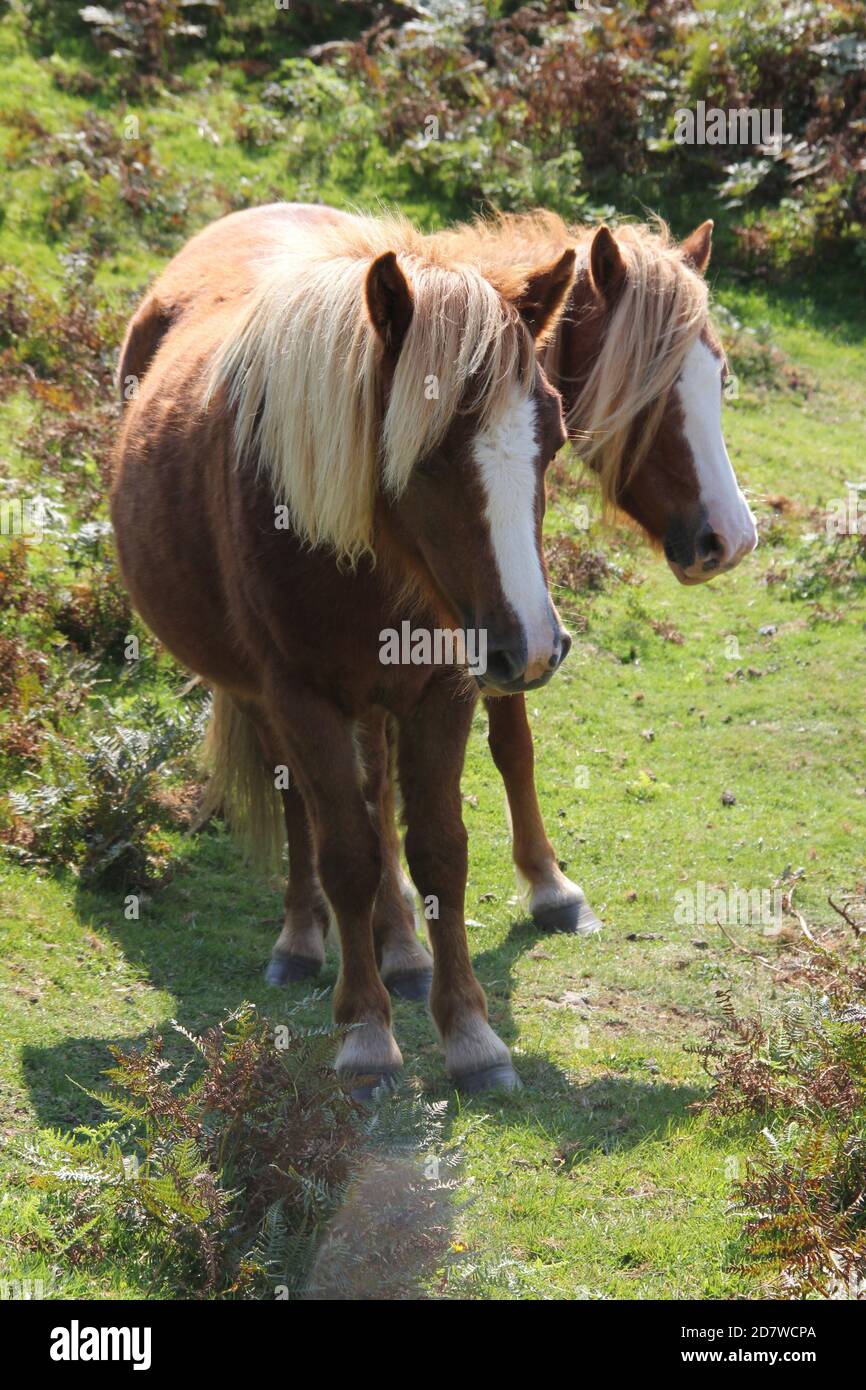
509	670
698	553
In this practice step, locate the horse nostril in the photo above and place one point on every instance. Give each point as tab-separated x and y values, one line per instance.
506	664
710	548
709	544
561	653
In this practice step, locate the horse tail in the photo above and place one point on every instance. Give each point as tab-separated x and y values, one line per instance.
241	785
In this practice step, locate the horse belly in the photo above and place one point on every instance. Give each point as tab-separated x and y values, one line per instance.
170	561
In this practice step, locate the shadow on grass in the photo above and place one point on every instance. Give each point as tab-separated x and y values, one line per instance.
611	1112
204	939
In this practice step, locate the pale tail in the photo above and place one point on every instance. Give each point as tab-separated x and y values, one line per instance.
241	788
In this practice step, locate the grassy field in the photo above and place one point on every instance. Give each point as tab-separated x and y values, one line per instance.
711	736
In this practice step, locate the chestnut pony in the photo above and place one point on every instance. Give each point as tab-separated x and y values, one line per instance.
641	376
331	422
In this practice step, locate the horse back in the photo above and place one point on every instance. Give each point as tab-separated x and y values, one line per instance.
216	267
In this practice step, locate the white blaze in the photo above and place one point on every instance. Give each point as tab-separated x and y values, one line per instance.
728	514
506	454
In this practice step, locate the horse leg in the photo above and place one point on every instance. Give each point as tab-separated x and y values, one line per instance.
431	747
299	951
316	742
555	902
404	964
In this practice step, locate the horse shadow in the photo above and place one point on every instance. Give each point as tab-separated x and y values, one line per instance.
190	951
204	939
203	942
613	1111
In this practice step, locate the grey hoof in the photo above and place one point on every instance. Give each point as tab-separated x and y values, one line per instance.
577	918
364	1089
500	1077
287	970
411	984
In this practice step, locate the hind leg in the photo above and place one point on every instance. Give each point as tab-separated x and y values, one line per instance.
404	964
299	951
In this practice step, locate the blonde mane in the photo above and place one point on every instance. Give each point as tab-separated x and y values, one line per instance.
303	370
661	309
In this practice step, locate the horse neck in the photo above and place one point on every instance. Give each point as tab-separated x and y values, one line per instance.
571	352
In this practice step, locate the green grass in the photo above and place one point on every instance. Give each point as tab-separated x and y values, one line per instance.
600	1179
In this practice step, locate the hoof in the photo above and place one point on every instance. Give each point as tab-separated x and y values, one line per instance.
411	984
287	970
365	1089
499	1077
577	918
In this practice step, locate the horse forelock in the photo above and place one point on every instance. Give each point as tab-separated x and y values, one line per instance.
303	372
660	310
640	344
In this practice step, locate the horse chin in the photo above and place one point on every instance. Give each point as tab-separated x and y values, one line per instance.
690	579
491	691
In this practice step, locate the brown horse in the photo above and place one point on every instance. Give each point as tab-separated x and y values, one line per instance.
331	423
641	375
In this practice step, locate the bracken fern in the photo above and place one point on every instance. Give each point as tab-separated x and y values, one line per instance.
246	1171
803	1198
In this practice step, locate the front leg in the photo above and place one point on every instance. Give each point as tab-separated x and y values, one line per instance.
555	902
431	748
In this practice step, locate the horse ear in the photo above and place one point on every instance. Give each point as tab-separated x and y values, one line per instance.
606	265
544	295
389	301
697	248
